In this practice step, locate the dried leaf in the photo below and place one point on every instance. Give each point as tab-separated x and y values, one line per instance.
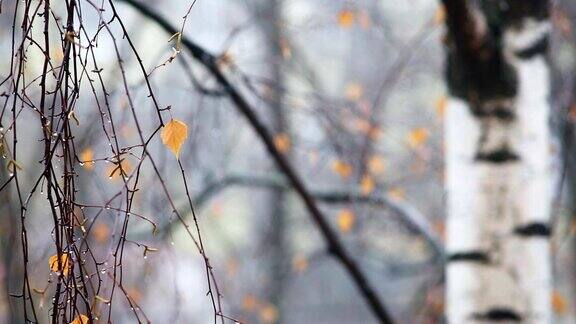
269	313
418	137
101	232
397	194
367	185
62	266
173	135
441	104
81	319
117	170
376	165
282	142
559	303
342	168
249	303
346	220
346	18
86	157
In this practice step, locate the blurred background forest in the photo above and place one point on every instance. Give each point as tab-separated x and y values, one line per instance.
353	93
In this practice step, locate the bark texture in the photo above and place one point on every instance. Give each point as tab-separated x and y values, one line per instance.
499	162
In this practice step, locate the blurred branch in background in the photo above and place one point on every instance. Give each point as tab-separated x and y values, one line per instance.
408	215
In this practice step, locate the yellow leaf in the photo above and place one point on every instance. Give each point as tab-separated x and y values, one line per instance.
441	105
559	303
299	263
115	171
367	185
173	135
346	18
86	158
342	168
282	142
62	266
81	319
101	232
249	303
134	294
418	137
354	91
376	165
397	194
269	313
345	220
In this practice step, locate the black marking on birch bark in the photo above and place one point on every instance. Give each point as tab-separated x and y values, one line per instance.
501	113
498	314
533	229
470	256
503	155
539	48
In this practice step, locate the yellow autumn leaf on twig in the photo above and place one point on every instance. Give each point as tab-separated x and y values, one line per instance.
173	135
62	266
81	319
86	158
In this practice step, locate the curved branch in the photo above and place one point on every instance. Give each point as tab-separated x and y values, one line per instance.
410	217
335	246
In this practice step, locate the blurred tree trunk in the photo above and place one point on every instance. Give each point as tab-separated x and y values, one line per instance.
277	249
498	156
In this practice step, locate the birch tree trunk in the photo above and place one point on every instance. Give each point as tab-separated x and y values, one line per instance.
498	156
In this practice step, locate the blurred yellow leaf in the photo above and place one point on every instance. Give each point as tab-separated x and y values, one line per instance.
418	137
345	220
367	185
342	168
269	313
249	302
173	135
115	171
354	91
441	105
299	263
62	266
134	294
86	157
559	303
81	319
346	18
397	194
101	232
282	142
376	165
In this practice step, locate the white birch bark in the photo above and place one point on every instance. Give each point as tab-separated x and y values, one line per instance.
499	267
